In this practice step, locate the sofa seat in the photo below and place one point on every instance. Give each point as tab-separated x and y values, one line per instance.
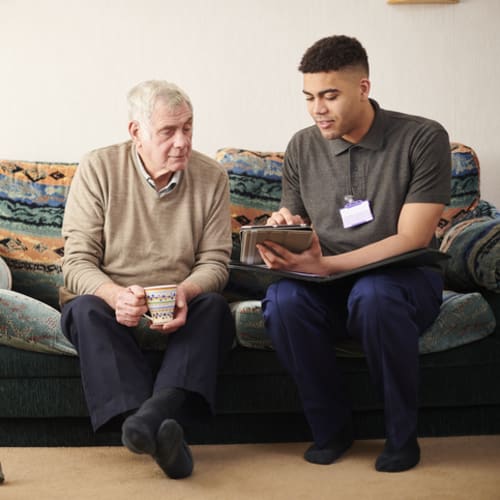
43	403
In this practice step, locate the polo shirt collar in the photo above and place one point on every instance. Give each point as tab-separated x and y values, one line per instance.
373	139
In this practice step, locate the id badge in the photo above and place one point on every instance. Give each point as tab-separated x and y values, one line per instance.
355	213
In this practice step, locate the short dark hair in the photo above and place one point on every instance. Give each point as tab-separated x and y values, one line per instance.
334	53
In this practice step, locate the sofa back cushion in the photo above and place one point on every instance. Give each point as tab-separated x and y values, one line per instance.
255	187
32	201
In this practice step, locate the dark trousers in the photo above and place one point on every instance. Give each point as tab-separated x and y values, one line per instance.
385	310
118	376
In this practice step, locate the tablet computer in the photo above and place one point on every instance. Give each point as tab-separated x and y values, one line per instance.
296	238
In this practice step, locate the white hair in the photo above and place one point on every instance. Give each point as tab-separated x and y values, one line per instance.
143	97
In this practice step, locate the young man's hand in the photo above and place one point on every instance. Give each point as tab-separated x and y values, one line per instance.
311	261
284	216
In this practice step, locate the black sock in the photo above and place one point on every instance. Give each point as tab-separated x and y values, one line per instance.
139	430
399	459
327	454
172	453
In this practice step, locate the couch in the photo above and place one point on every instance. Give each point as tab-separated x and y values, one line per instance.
41	398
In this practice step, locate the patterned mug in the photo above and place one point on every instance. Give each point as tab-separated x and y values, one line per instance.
161	303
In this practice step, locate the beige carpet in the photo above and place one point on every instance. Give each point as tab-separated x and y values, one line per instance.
452	468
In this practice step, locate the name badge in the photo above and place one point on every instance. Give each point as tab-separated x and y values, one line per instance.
355	213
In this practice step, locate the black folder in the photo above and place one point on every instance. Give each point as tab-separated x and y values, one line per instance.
416	258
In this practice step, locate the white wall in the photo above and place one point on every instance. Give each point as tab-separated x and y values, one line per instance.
66	66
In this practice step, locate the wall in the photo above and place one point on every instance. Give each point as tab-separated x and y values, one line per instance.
66	66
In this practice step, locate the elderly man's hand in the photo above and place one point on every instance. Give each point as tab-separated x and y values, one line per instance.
130	305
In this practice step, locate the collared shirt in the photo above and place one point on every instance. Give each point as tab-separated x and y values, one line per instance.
174	180
401	159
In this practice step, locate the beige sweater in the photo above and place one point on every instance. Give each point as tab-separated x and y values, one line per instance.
118	229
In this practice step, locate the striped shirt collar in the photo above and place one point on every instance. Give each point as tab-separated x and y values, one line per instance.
172	183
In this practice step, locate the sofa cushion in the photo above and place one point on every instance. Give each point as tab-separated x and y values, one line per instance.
463	318
255	187
29	324
465	194
474	246
5	275
32	200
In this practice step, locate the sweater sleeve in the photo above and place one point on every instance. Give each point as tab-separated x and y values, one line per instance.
83	230
210	270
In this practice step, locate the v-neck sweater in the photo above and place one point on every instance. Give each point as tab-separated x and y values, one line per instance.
118	229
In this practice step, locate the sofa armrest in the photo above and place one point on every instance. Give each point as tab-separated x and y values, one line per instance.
474	247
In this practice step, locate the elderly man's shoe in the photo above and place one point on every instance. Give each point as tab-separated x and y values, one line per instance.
172	453
137	436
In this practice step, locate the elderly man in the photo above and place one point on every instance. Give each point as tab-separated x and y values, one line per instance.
146	212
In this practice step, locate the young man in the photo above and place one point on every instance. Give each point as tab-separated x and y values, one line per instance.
373	183
149	211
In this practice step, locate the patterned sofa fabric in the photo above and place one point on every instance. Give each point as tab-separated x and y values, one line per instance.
465	190
474	245
31	325
255	187
32	201
469	229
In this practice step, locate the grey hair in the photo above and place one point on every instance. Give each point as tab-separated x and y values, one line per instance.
143	97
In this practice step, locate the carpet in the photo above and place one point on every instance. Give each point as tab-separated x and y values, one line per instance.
452	468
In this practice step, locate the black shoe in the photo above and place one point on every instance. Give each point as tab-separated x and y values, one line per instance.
327	454
136	436
398	460
140	429
172	453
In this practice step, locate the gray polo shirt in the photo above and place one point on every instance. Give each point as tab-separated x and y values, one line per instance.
402	159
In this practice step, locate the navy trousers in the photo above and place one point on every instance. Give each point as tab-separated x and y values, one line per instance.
118	376
386	310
